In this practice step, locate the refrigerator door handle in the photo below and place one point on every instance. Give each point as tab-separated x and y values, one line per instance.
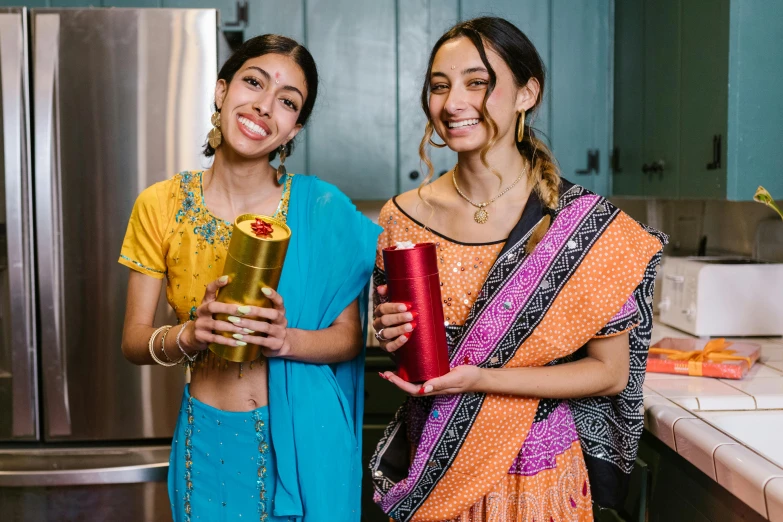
20	318
85	466
46	37
155	472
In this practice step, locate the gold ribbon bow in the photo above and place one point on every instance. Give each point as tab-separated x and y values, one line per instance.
714	351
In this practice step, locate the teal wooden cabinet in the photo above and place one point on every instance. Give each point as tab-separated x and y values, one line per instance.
646	154
581	79
352	139
660	124
709	93
704	98
629	76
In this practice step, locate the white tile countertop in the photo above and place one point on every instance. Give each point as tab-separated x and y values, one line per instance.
732	430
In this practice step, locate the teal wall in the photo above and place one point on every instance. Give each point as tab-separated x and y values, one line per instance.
372	55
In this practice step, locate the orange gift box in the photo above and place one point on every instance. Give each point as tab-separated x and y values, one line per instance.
703	357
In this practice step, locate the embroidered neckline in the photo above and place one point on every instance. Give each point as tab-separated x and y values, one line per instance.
208	227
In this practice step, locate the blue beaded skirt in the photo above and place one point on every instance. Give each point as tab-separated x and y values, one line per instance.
221	466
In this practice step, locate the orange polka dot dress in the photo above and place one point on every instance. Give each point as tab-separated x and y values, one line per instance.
463	268
478	457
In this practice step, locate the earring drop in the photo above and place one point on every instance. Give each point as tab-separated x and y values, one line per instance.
215	137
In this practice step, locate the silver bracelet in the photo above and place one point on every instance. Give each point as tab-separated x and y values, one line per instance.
152	346
190	358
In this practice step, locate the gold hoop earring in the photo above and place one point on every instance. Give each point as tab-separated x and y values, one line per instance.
215	135
281	172
430	129
521	126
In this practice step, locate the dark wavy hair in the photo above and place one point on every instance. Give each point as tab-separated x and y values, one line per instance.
274	44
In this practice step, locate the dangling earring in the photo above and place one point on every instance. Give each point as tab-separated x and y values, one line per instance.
429	129
521	126
215	136
281	172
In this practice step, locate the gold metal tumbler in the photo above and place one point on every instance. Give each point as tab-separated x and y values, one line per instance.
253	263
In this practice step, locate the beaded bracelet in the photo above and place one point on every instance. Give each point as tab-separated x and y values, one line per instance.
152	346
190	358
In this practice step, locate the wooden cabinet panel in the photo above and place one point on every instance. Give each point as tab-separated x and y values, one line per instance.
755	155
662	97
628	133
703	98
352	138
581	75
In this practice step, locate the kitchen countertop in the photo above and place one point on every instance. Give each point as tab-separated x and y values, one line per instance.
729	429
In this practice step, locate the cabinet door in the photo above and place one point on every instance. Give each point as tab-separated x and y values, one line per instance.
352	138
628	135
421	24
704	98
662	97
755	155
581	73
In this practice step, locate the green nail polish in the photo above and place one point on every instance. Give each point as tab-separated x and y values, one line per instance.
237	336
233	319
248	330
244	309
241	343
223	279
267	291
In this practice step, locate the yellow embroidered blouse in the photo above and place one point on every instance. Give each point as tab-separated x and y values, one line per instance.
171	233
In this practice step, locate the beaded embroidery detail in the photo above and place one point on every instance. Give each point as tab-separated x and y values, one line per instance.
193	211
207	227
126	258
188	459
263	448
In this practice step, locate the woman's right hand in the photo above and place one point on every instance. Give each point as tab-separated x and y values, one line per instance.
199	334
393	322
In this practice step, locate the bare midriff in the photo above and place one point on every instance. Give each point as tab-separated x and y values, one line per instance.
217	382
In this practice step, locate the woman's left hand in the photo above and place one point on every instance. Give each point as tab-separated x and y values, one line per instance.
461	379
270	321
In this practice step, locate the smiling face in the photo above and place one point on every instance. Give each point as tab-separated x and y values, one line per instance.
458	84
259	109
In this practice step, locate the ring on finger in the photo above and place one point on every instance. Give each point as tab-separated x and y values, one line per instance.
379	335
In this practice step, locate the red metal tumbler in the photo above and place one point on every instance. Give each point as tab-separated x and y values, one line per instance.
412	277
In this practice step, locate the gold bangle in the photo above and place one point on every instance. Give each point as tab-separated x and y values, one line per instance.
152	347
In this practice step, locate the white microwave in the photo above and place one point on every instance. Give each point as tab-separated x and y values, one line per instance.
721	296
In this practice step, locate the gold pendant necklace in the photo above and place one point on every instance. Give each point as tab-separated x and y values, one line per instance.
481	215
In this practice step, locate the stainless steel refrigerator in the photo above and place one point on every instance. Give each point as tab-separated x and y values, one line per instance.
95	105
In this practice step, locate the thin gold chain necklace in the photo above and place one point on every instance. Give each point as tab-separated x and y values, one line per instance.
481	215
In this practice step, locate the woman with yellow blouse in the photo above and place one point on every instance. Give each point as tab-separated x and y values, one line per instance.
252	441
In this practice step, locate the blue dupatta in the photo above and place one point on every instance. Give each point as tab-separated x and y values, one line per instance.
316	410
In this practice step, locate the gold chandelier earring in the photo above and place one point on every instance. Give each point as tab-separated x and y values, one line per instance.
281	172
215	135
521	126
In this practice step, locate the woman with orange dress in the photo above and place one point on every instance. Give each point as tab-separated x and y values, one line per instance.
546	292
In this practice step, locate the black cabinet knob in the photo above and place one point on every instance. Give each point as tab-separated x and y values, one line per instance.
414	174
